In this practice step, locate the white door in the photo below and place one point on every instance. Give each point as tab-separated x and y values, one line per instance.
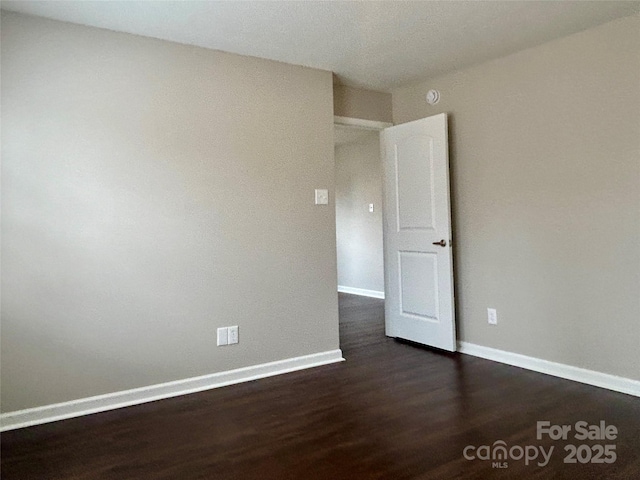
417	227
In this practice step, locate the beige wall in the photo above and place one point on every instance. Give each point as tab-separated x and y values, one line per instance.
359	232
546	195
360	103
152	192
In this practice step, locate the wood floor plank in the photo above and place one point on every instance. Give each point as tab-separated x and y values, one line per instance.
391	411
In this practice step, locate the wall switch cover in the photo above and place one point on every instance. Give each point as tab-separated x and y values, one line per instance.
233	335
223	336
322	196
492	316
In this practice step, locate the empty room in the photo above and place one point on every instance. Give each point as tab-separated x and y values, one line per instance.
320	240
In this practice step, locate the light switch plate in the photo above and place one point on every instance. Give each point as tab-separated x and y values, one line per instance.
233	335
322	196
492	316
223	336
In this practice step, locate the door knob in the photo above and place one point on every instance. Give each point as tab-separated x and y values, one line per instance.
442	243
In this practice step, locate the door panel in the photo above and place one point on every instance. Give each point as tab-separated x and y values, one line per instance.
418	272
414	184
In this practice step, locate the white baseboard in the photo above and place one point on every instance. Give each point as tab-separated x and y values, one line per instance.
361	291
582	375
125	398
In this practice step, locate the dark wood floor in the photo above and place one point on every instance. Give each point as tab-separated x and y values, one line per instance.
391	411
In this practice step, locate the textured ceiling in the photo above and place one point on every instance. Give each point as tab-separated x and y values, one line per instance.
376	45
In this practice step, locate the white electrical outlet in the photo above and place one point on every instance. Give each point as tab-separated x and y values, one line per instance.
492	316
223	336
371	208
233	335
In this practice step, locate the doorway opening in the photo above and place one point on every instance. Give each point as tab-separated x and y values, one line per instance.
358	203
413	266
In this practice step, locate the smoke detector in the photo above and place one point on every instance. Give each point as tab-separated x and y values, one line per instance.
433	97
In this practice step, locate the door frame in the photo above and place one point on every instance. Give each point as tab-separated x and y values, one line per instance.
360	123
